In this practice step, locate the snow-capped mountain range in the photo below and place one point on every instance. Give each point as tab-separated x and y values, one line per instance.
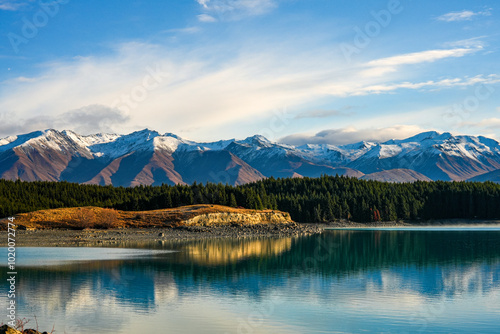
149	158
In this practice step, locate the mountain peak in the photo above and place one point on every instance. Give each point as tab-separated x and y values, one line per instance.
438	156
51	133
261	138
13	141
257	140
69	133
148	132
173	135
423	136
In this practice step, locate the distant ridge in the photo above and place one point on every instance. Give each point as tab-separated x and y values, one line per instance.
147	157
396	175
493	176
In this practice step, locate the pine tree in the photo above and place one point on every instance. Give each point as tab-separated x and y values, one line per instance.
232	201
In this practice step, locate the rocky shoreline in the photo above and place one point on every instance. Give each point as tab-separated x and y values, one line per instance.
143	235
110	237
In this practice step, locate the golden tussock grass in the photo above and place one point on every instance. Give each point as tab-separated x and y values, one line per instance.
101	218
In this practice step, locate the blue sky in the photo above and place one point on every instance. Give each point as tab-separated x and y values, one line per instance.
317	71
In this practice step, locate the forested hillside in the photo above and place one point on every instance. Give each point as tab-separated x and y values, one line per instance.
307	199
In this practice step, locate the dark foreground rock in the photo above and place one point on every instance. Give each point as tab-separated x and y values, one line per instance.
9	330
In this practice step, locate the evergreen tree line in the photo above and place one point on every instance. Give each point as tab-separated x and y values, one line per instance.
320	199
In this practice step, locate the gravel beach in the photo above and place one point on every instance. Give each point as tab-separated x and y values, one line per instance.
95	237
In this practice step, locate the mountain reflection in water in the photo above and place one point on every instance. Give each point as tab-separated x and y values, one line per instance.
339	281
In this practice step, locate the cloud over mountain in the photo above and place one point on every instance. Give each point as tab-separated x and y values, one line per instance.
349	135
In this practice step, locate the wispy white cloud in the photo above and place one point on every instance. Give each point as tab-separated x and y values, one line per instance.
371	77
485	124
235	9
320	114
349	135
206	18
187	30
445	83
86	120
464	15
203	3
25	79
390	64
420	57
471	43
13	5
194	90
191	90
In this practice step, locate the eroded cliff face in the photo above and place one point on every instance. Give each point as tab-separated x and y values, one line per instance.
271	217
193	215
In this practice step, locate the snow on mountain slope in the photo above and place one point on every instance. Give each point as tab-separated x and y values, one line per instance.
424	137
13	141
279	160
136	141
147	157
438	156
169	144
53	141
187	146
335	155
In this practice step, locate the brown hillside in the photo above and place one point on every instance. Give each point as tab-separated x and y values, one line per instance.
94	217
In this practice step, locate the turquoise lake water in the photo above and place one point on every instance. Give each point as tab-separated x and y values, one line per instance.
342	281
